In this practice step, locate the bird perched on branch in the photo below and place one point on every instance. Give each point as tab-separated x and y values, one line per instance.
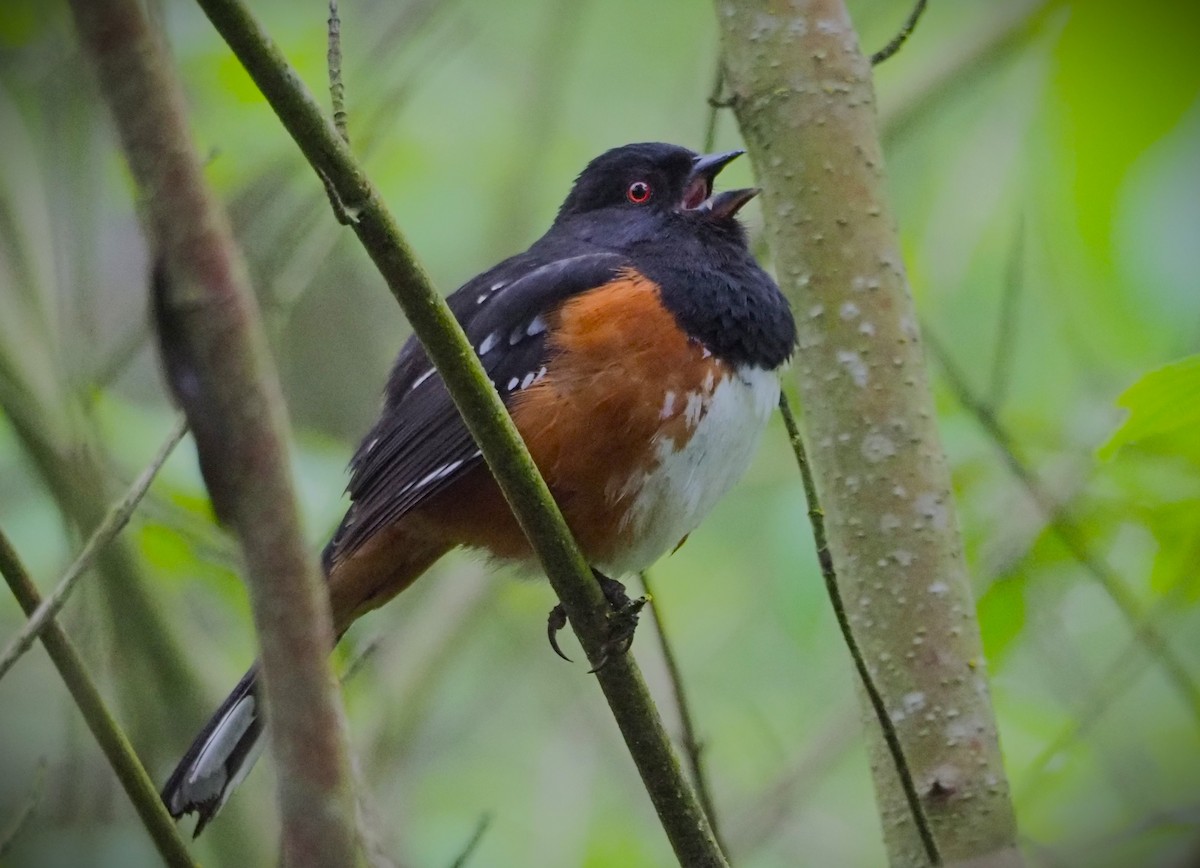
637	346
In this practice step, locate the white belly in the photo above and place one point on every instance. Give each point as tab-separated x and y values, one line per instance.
671	499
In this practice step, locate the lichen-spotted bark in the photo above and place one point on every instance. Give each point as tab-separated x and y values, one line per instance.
802	92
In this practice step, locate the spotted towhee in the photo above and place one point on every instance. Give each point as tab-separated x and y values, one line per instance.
637	346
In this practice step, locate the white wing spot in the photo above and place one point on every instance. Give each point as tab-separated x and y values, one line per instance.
374	442
541	373
512	384
434	475
536	326
528	380
488	344
668	406
481	298
421	379
499	284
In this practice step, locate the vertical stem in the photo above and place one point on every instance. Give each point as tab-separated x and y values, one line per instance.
820	541
802	92
221	372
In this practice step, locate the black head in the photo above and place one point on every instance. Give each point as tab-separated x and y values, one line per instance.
655	178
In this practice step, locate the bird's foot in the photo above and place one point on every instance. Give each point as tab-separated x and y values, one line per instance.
622	621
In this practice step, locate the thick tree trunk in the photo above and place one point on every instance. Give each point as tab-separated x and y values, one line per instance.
802	93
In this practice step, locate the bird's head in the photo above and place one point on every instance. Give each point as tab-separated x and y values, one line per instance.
653	178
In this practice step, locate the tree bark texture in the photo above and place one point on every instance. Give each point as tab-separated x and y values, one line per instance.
802	92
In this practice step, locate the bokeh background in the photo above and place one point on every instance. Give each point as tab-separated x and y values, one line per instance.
1044	161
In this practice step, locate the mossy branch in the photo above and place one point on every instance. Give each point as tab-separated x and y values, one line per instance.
489	423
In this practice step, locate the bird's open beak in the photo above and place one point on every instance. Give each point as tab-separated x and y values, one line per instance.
698	195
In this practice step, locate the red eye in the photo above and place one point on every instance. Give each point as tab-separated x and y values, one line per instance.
638	192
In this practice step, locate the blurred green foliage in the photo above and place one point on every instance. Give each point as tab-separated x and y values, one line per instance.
1163	402
1048	194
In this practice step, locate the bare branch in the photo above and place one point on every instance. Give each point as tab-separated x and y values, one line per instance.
99	719
960	61
473	842
889	50
1006	321
714	108
817	519
116	519
220	371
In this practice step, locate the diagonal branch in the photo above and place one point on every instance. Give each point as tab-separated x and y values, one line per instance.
487	420
221	372
99	719
113	523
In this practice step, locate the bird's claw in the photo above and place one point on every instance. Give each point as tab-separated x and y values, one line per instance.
622	622
556	621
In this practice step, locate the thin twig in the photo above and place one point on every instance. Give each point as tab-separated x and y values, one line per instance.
121	356
26	812
368	650
714	108
337	90
1067	529
473	843
693	750
116	747
1116	680
817	518
1006	320
900	38
116	519
488	421
958	64
759	823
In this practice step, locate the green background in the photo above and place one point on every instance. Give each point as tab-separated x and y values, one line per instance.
1047	191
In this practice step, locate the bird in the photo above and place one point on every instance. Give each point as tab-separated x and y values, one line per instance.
638	347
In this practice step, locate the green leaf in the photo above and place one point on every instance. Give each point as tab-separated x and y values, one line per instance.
1164	401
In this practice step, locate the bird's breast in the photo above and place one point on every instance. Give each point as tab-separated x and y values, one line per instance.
707	440
637	427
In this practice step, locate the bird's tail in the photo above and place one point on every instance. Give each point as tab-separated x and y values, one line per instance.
220	757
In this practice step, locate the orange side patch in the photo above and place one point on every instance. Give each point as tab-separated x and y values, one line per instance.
622	378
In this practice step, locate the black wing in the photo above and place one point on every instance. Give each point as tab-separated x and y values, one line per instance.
420	445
